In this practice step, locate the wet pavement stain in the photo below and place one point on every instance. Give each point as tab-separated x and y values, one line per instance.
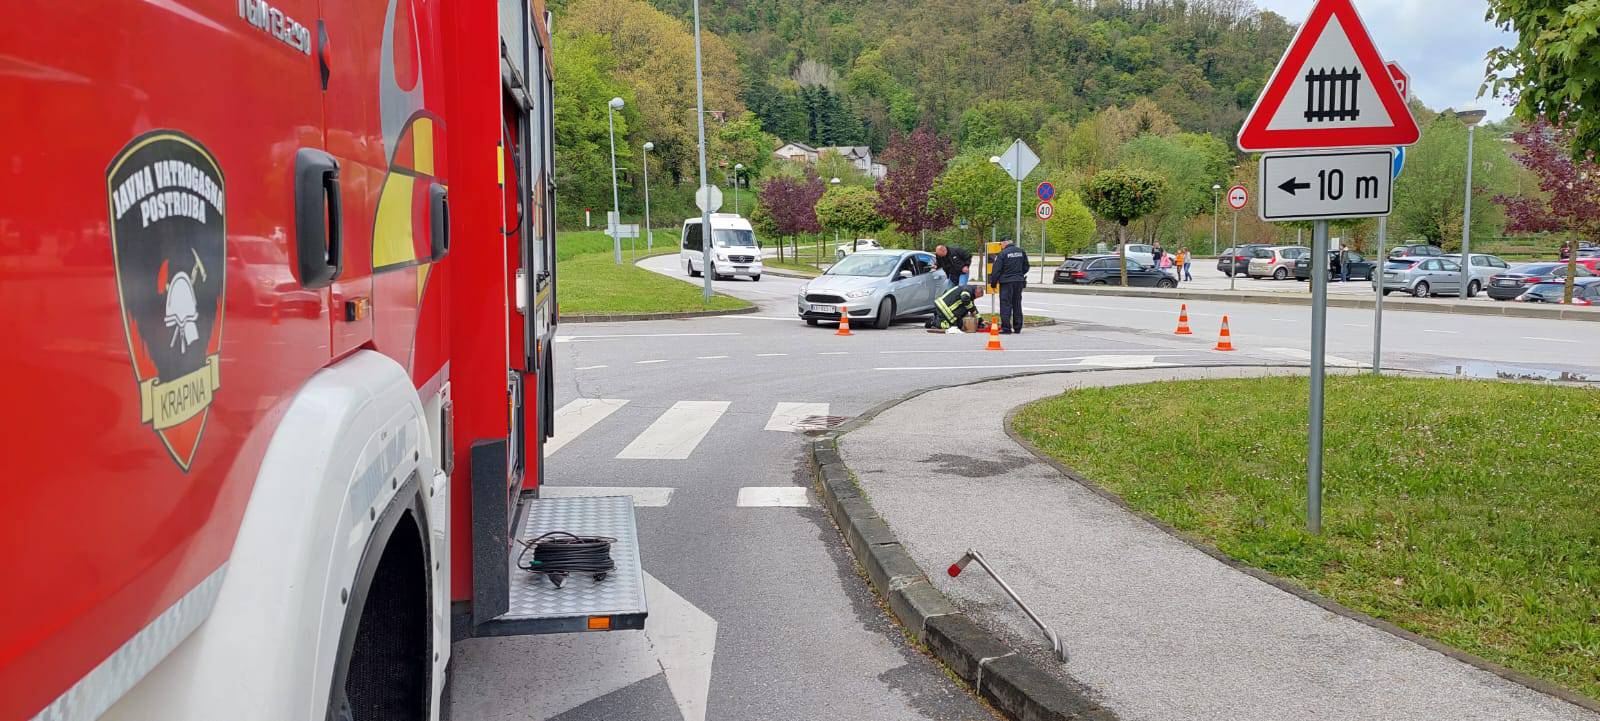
970	467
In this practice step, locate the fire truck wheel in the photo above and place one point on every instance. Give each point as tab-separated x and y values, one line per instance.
383	669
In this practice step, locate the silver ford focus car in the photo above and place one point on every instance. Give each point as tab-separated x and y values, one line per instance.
876	286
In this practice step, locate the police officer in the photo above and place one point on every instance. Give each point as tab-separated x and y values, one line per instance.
1011	275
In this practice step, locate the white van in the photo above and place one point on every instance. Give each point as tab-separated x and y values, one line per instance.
735	250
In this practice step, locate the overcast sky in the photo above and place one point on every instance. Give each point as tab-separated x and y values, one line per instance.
1441	43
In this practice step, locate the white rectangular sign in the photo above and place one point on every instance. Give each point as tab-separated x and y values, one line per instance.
1324	186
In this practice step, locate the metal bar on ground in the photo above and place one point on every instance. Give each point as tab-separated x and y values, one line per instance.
1319	355
1056	645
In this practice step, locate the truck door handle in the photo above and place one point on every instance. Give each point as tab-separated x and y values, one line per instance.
319	227
439	209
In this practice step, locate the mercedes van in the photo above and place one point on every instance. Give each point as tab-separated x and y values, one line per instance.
734	249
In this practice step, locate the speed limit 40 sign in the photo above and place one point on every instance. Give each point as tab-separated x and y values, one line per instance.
1045	210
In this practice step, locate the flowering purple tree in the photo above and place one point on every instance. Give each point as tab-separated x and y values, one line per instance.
1571	189
915	161
792	204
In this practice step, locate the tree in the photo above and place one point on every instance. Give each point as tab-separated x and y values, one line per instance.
1122	196
830	165
1552	69
850	208
1189	163
1429	198
975	189
791	203
583	161
740	140
915	162
1072	226
998	122
1571	189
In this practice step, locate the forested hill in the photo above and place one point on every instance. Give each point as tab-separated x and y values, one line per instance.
847	72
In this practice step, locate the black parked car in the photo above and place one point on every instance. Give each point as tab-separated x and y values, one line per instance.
1360	267
1416	250
1102	270
1585	291
1237	260
1517	280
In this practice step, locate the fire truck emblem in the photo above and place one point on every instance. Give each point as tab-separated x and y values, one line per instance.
169	240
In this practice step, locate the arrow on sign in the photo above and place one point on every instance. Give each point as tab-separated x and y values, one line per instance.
1289	186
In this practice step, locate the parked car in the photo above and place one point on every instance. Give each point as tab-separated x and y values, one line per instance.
1422	277
875	286
1360	267
1103	270
1484	268
1585	291
1142	252
845	249
735	251
1416	250
1237	260
1275	261
1515	281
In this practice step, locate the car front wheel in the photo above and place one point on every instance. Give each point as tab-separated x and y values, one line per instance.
885	314
1166	283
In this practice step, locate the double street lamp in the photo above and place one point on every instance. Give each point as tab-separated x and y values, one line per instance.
737	169
616	199
649	232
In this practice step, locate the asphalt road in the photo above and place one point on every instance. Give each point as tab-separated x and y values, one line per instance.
759	612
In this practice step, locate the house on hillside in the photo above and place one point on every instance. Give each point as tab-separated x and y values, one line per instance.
796	152
861	157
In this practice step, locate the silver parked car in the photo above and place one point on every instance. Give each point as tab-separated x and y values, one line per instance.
1422	277
874	285
1484	267
1276	261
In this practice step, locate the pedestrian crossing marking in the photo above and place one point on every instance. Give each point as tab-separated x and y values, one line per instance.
791	417
674	435
577	416
643	496
773	497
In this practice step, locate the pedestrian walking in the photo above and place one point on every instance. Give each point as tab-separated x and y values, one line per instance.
1011	275
1188	262
955	262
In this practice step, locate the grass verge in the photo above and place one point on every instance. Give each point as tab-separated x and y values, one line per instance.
1464	511
593	284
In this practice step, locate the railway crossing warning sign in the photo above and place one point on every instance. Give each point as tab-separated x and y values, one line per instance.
1332	89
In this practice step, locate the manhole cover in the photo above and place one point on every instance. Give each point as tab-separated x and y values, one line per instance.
817	424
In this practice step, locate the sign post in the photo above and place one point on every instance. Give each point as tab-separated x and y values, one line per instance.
1238	197
1044	211
1331	90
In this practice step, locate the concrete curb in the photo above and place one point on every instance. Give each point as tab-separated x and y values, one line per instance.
626	317
1289	587
1489	308
788	274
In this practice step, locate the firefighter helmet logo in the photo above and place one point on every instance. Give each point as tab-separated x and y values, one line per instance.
169	241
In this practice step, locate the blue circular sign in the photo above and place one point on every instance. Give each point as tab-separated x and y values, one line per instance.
1046	191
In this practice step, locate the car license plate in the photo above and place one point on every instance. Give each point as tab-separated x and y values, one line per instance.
1506	283
824	309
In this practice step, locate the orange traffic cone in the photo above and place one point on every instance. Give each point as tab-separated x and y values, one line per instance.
1225	342
844	321
1183	321
994	334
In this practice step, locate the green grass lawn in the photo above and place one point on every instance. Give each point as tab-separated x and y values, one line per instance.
1465	511
593	284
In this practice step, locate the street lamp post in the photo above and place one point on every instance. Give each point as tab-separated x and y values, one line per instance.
1471	117
616	199
737	169
649	231
1215	206
835	183
706	249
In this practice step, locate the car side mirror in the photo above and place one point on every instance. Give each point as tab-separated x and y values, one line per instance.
902	275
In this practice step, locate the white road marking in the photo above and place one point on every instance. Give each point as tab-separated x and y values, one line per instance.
614	336
1549	340
674	435
761	317
685	641
836	352
1119	361
1358	325
577	416
1305	355
997	366
1275	320
768	355
1435	330
1019	350
787	416
648	362
773	497
710	357
643	497
590	368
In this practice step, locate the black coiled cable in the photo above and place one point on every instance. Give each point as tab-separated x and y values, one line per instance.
558	554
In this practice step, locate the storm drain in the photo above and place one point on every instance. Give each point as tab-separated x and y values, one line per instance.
818	424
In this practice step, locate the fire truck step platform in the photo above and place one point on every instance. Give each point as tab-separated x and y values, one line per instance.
580	604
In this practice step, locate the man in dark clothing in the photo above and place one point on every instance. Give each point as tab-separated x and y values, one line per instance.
1011	275
955	262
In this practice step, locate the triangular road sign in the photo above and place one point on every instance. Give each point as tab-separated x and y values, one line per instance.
1332	89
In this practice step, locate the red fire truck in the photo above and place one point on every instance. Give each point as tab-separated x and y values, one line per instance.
279	281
